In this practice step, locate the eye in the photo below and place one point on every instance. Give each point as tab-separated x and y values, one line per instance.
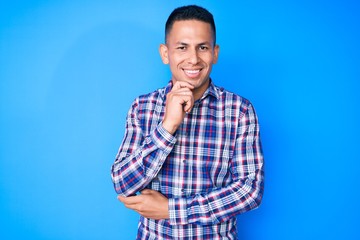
203	48
182	48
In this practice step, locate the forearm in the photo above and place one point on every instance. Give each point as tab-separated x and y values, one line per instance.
219	205
134	169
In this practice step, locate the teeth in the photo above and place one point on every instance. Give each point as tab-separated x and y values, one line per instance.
192	71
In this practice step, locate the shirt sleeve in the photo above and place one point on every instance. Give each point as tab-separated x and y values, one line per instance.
140	157
242	195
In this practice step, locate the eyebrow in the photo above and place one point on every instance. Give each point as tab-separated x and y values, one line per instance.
186	44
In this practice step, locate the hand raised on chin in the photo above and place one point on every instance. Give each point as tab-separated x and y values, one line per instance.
179	101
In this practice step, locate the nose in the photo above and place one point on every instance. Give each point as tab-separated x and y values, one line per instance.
193	57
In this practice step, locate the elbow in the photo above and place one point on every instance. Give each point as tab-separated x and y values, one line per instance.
118	185
257	200
257	196
122	187
123	191
118	182
253	198
251	202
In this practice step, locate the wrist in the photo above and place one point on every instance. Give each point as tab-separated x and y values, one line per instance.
169	127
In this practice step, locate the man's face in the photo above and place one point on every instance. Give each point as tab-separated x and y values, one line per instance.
190	52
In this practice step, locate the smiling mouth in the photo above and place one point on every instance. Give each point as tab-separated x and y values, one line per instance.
192	73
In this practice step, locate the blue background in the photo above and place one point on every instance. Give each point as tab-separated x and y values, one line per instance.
70	69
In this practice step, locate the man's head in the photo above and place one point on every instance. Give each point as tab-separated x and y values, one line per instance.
190	47
191	12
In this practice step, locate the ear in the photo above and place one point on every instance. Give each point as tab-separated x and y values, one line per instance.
216	53
164	54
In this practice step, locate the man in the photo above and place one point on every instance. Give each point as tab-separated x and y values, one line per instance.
191	157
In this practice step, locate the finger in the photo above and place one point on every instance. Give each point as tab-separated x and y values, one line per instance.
146	191
188	106
130	205
182	91
181	84
134	207
121	198
188	103
129	200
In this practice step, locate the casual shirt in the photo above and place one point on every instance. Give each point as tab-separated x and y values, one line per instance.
211	169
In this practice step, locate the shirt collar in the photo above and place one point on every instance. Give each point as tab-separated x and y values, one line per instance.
212	90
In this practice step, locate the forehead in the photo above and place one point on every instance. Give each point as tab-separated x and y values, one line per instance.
190	29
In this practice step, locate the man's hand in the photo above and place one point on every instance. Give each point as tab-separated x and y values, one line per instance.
150	204
179	101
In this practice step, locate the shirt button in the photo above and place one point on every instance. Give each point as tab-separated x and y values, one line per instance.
184	161
182	190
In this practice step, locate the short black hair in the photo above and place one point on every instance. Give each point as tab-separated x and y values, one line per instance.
190	12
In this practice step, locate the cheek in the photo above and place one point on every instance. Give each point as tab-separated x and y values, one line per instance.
208	58
175	61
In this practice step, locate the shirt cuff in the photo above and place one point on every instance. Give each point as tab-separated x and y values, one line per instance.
163	139
178	211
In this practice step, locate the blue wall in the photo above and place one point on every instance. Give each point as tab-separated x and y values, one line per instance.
70	69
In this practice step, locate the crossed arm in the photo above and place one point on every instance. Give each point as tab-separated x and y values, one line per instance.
150	203
131	173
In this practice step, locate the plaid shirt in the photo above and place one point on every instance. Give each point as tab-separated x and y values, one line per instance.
211	169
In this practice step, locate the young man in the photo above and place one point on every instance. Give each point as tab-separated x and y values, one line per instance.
191	158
